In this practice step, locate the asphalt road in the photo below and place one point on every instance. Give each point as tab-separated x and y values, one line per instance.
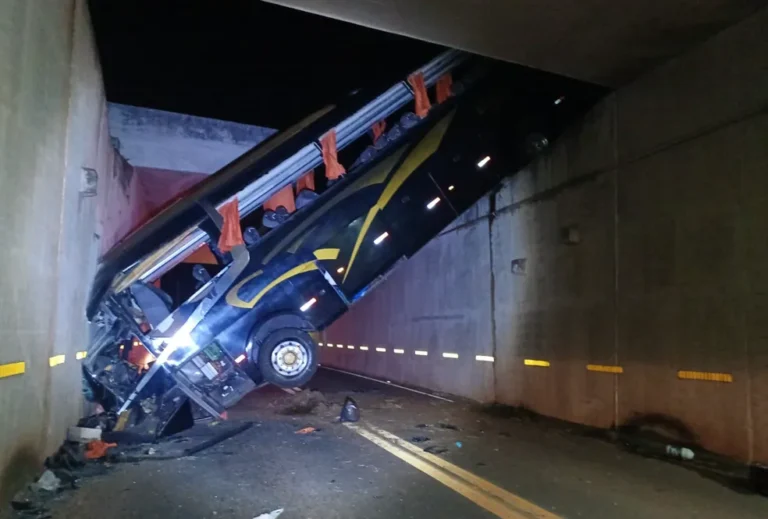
502	466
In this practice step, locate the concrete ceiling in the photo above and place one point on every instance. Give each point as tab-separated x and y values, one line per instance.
608	42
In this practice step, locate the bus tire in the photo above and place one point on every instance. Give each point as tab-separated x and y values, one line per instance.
288	357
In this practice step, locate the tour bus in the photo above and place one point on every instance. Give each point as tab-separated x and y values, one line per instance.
253	320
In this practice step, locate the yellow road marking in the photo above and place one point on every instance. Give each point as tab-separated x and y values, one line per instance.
56	360
539	363
481	492
15	368
706	376
605	369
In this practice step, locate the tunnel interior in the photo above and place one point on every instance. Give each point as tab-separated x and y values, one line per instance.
557	350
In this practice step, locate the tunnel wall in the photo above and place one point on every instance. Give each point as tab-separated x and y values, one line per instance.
639	243
52	125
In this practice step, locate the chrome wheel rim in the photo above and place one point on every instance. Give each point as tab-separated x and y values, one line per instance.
290	358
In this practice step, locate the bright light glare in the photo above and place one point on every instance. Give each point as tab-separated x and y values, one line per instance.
483	162
240	358
559	100
433	203
381	238
364	348
451	355
340	270
381	350
451	188
308	304
319	343
350	347
399	352
421	353
339	345
484	358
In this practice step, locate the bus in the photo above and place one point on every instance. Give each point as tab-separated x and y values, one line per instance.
153	361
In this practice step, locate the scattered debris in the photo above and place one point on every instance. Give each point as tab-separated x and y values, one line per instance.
274	514
151	451
679	452
303	402
421	426
306	430
434	449
83	434
122	420
47	482
98	449
420	439
443	425
349	411
459	445
103	421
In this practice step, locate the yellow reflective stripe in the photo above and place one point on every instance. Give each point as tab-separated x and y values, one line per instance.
605	369
14	368
705	376
56	360
538	363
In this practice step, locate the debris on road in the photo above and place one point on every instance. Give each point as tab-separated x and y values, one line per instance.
678	452
420	439
306	430
434	449
443	425
459	445
274	514
83	434
98	449
303	402
350	412
47	482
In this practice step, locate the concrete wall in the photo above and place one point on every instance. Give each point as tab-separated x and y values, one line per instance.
52	125
645	239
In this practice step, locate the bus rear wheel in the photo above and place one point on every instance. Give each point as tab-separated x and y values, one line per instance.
288	357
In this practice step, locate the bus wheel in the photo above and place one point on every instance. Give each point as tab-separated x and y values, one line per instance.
288	357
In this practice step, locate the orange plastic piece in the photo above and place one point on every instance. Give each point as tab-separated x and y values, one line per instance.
419	94
283	197
378	130
97	449
231	235
202	256
443	87
307	181
333	169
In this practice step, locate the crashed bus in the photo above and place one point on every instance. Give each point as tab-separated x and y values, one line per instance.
253	321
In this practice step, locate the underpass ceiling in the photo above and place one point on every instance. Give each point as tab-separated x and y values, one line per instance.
607	42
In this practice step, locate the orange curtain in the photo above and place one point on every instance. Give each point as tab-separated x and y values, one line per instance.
306	182
443	87
333	169
420	94
231	235
378	130
283	197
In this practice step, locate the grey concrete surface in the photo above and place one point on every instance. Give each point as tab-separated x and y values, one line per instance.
603	42
664	183
157	139
334	473
52	125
